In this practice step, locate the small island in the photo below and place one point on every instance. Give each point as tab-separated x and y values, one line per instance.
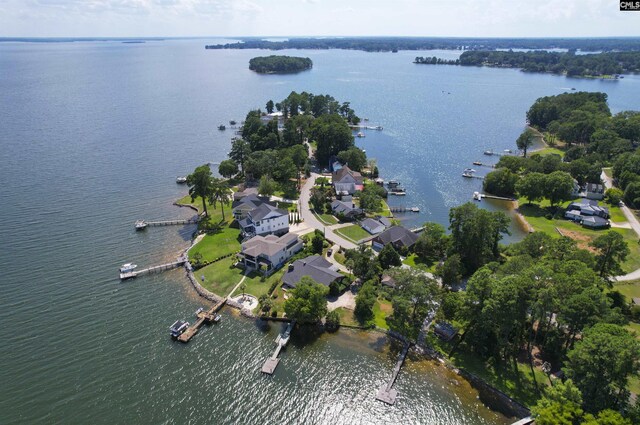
279	64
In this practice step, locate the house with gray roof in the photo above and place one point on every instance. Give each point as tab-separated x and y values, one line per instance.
588	213
245	203
372	226
400	237
346	207
269	253
595	222
316	267
265	219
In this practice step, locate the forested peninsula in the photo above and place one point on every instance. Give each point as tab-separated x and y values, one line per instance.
393	44
279	64
600	65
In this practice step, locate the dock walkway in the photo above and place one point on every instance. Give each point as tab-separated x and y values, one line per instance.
386	393
177	222
203	317
269	366
404	209
155	269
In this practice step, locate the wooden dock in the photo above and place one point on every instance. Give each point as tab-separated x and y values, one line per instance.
524	421
146	223
203	317
155	269
471	176
386	393
404	209
269	366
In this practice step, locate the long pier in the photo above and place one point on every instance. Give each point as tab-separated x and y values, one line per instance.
155	269
203	317
386	393
269	366
145	223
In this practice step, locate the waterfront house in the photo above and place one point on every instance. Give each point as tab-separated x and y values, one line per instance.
316	267
345	207
346	181
588	207
445	330
400	237
269	253
245	203
595	222
265	219
372	226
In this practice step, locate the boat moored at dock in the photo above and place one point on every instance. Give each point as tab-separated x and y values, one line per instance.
140	225
128	267
178	328
181	179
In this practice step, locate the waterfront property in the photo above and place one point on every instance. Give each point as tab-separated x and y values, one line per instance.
588	213
264	220
375	226
244	203
400	237
347	181
268	253
316	267
345	207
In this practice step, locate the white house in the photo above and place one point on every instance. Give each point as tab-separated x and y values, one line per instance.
264	220
346	181
269	253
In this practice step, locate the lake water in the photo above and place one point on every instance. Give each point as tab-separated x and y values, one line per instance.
92	136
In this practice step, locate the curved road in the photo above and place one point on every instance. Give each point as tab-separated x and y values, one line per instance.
633	222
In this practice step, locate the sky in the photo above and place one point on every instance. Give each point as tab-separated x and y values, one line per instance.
228	18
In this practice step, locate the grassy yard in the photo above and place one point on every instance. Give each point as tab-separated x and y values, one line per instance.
381	310
353	232
347	317
327	219
216	245
547	151
220	277
629	289
255	285
214	213
536	216
414	261
617	216
340	258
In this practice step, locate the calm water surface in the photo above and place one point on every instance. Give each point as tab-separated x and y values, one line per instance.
92	136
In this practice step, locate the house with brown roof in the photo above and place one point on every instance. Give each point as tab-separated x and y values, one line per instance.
346	181
400	237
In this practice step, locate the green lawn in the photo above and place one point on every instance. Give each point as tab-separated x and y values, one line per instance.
340	258
536	217
629	289
353	232
220	277
216	245
617	216
414	261
214	213
381	310
255	285
547	151
327	219
347	317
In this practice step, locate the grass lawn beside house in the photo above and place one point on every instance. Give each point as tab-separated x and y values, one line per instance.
326	219
214	213
220	277
353	232
381	310
255	285
216	245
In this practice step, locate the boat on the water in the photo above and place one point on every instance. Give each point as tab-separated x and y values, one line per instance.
470	170
360	134
477	196
141	225
379	127
217	318
222	127
477	163
198	311
178	328
467	174
181	179
128	267
403	193
489	152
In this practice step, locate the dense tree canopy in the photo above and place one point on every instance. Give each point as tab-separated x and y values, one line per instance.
279	64
307	302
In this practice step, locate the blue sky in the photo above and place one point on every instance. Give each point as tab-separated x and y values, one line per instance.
464	18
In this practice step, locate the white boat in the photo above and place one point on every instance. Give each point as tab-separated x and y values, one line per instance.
360	134
467	174
141	225
181	179
489	152
217	318
178	328
379	127
477	196
128	267
398	193
469	170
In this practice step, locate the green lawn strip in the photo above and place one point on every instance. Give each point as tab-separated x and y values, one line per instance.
278	300
255	285
381	310
386	212
518	385
414	261
353	232
326	219
340	258
220	277
548	151
617	216
214	213
629	289
216	245
347	317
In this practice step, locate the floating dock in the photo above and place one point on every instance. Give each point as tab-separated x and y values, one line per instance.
155	269
203	317
269	366
404	209
386	393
